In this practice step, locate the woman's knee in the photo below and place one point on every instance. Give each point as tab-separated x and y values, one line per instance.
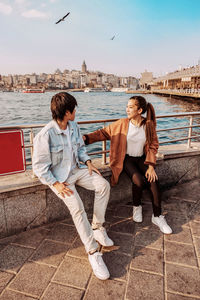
138	180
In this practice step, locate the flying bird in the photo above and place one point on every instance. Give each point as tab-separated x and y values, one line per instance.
112	38
62	19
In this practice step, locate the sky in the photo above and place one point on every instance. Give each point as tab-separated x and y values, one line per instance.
154	35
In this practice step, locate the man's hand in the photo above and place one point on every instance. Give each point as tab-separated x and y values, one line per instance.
91	168
151	174
62	188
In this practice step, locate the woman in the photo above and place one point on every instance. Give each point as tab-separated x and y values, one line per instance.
133	148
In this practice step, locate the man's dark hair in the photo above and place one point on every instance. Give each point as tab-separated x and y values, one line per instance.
60	103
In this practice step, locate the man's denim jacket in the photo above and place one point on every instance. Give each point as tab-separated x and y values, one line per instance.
51	158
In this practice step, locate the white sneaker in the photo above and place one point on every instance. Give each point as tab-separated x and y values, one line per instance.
137	214
162	224
101	236
98	266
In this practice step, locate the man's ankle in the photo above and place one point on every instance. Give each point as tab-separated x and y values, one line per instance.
93	251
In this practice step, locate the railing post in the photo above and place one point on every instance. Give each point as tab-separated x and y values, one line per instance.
104	149
31	137
190	132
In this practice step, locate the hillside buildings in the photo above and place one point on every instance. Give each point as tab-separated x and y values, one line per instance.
74	79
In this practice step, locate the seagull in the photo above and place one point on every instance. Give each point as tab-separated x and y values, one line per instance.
112	38
63	19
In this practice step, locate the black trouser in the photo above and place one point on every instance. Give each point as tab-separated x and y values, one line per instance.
136	169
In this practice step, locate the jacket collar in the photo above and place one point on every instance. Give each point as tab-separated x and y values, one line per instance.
59	131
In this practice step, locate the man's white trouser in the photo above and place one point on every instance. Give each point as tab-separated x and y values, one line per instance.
81	177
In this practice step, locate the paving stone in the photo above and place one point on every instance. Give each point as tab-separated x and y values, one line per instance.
77	249
188	191
123	211
31	238
5	278
110	216
60	292
73	271
2	247
63	233
123	225
106	290
13	295
197	245
13	257
50	252
175	220
144	286
180	234
181	254
68	220
33	279
141	260
149	237
117	264
178	297
194	214
183	280
172	204
125	242
195	227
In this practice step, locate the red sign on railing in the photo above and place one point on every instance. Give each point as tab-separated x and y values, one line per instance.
12	153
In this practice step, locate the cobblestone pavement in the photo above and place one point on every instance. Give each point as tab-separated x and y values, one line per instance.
50	262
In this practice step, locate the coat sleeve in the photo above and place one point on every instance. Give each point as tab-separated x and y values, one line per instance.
99	135
152	150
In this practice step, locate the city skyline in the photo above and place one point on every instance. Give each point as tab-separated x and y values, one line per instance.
149	35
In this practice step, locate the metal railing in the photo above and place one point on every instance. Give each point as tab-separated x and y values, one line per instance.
104	151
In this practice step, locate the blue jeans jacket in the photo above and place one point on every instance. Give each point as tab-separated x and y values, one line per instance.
51	158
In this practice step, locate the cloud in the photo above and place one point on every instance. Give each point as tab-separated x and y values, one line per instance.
35	14
52	1
5	9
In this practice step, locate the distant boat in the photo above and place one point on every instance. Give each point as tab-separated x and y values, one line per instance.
33	91
95	90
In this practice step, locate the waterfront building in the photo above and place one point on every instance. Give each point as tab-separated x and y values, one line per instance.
186	78
33	79
146	79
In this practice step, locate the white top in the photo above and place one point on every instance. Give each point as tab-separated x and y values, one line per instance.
136	139
69	144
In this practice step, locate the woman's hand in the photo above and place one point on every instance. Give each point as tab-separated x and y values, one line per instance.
91	168
62	188
151	174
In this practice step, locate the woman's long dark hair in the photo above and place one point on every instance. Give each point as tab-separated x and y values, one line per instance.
150	118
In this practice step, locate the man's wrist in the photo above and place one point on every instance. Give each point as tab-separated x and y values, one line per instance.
88	161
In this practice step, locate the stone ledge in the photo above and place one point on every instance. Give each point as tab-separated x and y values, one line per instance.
26	180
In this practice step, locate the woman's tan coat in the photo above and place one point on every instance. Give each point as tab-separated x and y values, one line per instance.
117	132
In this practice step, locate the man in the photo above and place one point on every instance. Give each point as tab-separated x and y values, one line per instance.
60	161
